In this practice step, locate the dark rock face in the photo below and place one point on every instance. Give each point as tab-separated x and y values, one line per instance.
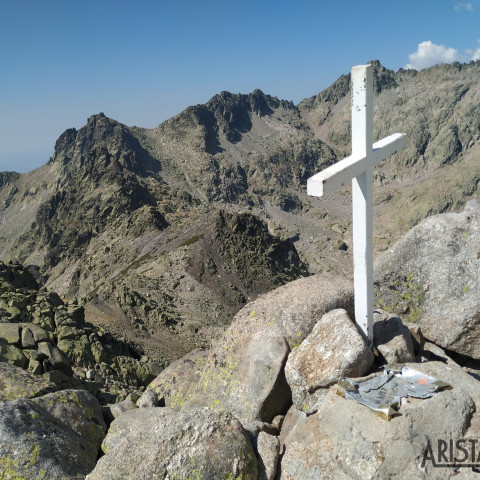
102	167
17	276
7	178
240	259
233	112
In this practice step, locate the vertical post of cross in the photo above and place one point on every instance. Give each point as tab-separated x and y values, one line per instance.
362	141
358	168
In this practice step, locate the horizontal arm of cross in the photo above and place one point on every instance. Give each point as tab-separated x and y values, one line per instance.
342	172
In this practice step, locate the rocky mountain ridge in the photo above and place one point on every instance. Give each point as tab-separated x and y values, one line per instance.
157	231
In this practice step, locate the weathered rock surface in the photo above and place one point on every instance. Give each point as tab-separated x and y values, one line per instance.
347	440
115	410
51	437
13	355
177	382
244	372
268	448
197	443
10	332
432	274
392	338
18	383
334	349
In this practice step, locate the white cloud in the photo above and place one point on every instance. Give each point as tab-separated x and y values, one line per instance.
464	6
429	54
476	54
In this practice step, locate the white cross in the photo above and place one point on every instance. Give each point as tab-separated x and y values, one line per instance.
359	169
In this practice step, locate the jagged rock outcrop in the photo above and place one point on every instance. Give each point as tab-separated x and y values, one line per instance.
239	258
432	276
197	443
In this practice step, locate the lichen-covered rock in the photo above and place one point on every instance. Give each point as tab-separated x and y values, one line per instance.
41	333
134	372
176	383
431	276
11	354
162	443
51	437
77	350
27	338
56	357
117	409
17	383
10	332
334	349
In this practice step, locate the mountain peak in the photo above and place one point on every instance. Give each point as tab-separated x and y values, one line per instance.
96	117
383	79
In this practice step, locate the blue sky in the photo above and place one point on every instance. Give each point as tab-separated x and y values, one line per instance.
141	62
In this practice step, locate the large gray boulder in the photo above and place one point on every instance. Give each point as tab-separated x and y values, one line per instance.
54	436
431	275
347	440
333	350
151	443
244	372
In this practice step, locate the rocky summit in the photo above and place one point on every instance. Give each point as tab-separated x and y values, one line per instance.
173	305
